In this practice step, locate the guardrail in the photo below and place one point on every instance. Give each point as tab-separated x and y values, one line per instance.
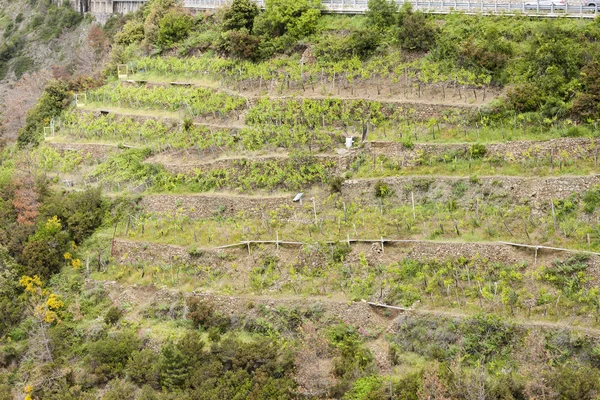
438	7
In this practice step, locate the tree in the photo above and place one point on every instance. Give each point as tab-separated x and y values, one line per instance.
240	15
382	13
132	32
285	21
587	102
173	28
83	212
416	31
154	13
20	99
43	306
43	254
173	367
55	98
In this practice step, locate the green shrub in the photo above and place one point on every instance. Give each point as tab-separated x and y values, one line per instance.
113	315
524	97
416	30
120	389
241	44
240	15
576	381
576	131
477	150
486	337
143	368
58	20
336	46
591	200
174	369
132	32
381	13
83	211
110	355
285	21
21	65
54	99
199	311
10	27
382	190
335	184
340	251
173	28
408	143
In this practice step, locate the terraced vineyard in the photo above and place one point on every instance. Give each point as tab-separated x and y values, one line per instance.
395	226
223	169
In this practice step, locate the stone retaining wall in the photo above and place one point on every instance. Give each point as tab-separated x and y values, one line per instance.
340	164
86	150
466	191
209	205
129	252
515	151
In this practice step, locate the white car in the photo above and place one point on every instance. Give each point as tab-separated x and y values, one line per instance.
545	4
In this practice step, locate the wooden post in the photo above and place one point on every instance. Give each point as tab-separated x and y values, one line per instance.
248	243
412	197
382	249
589	243
112	244
314	210
348	238
553	215
277	240
535	256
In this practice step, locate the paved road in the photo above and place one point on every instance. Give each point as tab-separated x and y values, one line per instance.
439	7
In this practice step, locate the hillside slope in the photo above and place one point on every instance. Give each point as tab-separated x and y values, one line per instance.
443	244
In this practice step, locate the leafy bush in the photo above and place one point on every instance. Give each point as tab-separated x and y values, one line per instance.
591	200
83	212
487	336
285	21
21	65
576	381
335	185
202	313
43	254
240	15
477	150
240	44
173	28
173	367
381	13
340	251
132	32
335	47
59	19
109	356
524	97
113	315
576	131
119	389
416	30
382	190
143	368
54	99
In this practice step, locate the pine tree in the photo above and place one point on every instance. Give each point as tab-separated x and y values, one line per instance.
173	367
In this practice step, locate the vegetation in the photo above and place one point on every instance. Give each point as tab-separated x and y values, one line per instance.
120	271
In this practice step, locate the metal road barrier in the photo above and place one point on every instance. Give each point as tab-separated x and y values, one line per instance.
439	7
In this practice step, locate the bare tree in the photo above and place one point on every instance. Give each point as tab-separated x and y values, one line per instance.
19	99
